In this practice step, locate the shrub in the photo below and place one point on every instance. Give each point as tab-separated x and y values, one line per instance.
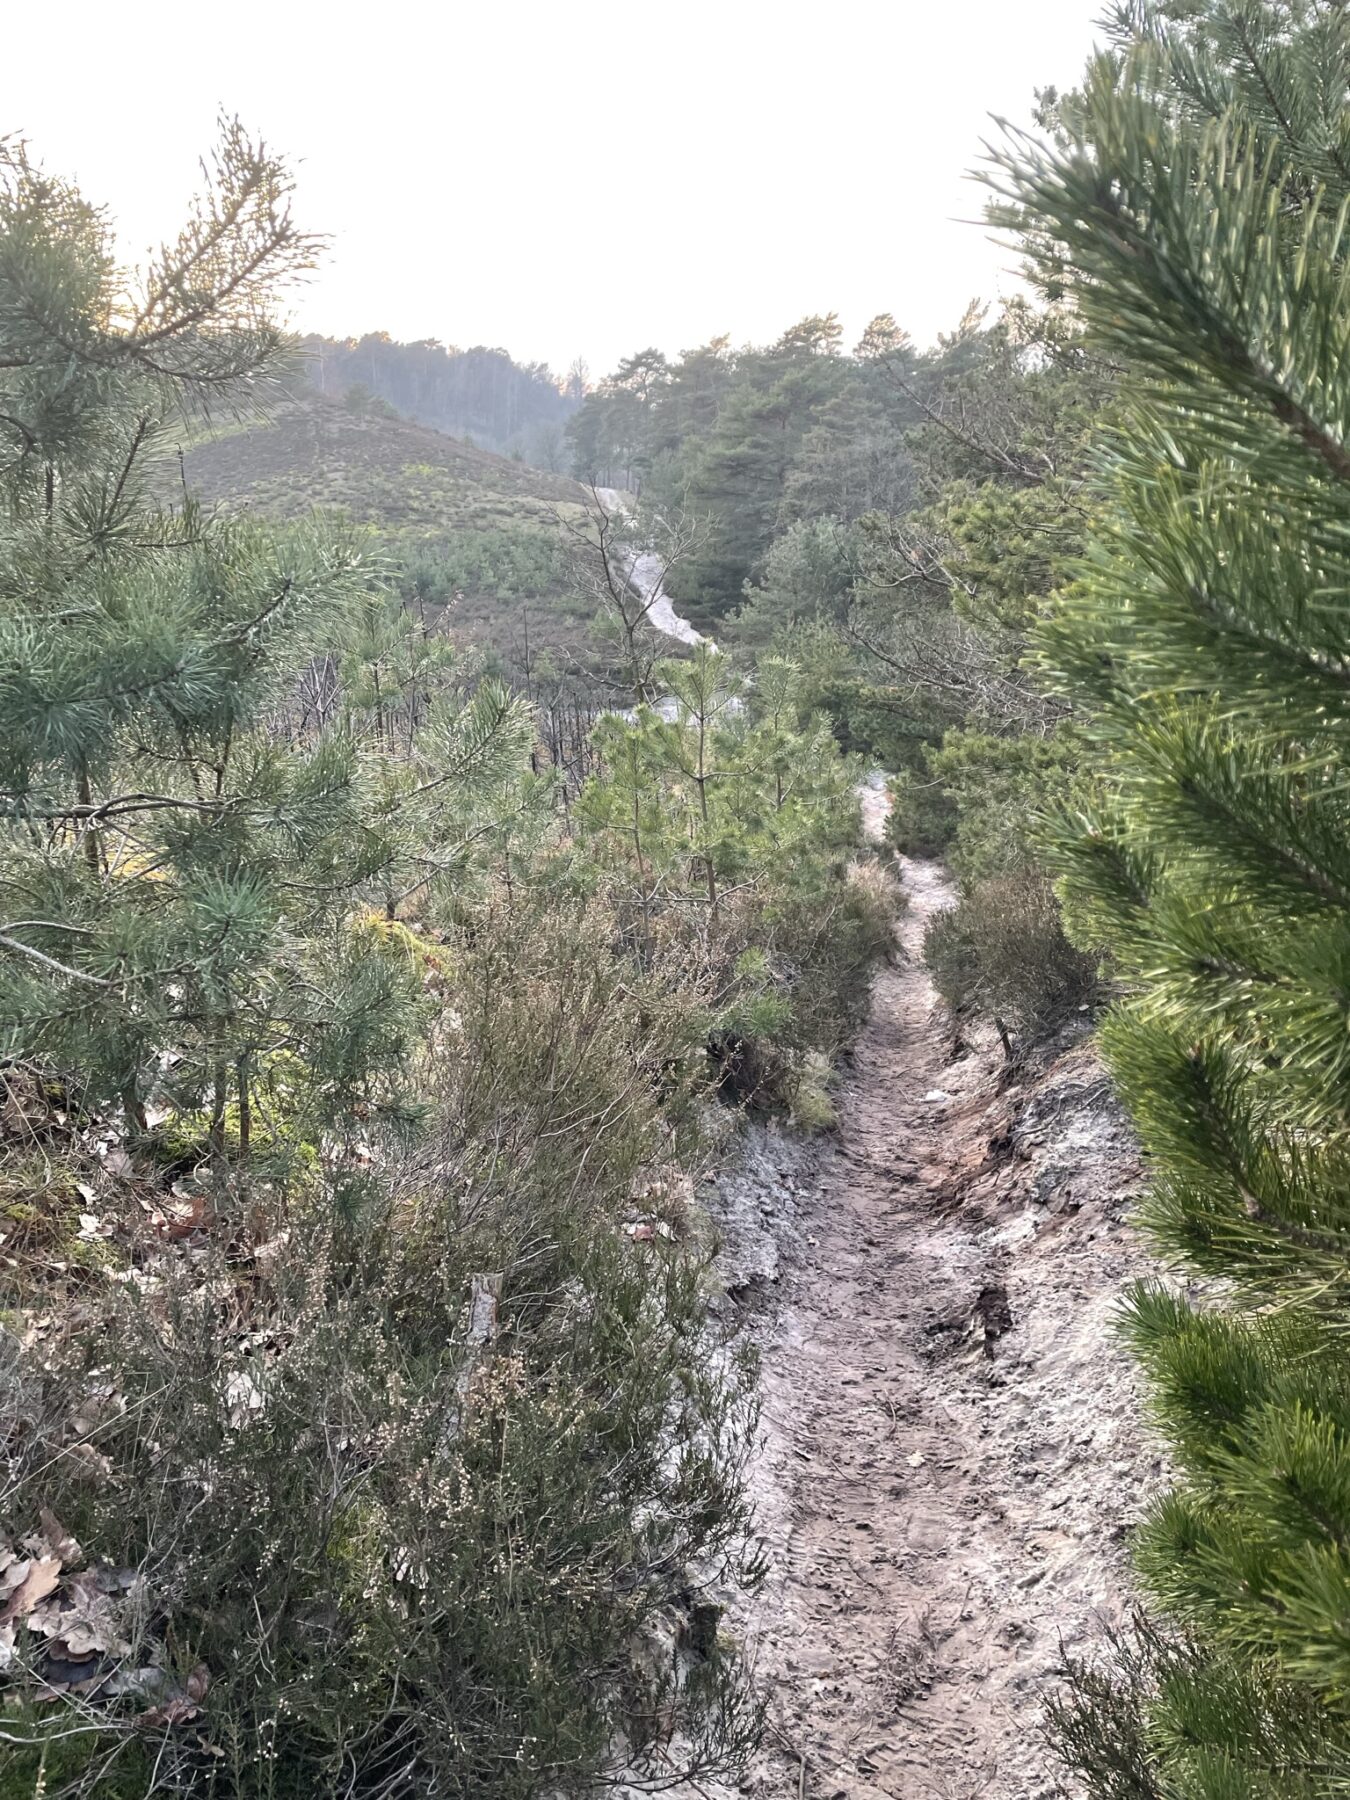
727	830
1002	951
830	944
812	1105
510	562
978	797
417	1474
922	819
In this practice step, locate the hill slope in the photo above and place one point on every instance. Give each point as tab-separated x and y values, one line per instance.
381	471
480	393
479	533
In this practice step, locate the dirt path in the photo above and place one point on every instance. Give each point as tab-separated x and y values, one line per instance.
647	576
951	1453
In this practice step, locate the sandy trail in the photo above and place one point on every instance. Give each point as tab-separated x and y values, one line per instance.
951	1449
646	572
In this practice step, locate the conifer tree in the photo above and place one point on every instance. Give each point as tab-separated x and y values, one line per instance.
180	858
722	819
1195	204
714	795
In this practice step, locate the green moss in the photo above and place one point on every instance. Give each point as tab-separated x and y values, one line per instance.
40	1203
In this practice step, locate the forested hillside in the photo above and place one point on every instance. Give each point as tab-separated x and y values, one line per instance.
481	394
478	540
750	440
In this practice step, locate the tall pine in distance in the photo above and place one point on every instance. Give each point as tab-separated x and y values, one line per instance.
1194	205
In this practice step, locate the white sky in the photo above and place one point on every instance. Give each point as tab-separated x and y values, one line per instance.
568	183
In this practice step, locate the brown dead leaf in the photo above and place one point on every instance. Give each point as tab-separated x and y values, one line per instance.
63	1544
177	1711
47	1617
184	1214
43	1574
93	1463
14	1570
84	1640
81	1620
267	1254
199	1679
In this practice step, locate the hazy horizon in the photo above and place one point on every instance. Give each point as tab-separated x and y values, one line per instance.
573	191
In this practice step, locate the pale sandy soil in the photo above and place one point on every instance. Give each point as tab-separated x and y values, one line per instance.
952	1451
646	574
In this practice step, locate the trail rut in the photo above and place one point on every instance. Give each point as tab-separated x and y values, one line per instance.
951	1452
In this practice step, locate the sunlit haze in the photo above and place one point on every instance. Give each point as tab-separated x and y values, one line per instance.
563	182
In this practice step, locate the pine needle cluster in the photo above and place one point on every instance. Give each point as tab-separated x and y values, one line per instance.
1195	205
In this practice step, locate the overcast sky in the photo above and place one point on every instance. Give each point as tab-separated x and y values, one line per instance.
563	181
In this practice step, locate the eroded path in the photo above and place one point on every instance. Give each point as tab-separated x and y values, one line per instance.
951	1451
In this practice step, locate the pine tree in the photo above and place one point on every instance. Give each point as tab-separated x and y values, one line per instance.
183	852
1195	205
721	818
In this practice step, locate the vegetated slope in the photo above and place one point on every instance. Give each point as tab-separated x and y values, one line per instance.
481	392
387	472
479	533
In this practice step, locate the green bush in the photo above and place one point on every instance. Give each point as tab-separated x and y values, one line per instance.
727	830
977	797
829	944
922	820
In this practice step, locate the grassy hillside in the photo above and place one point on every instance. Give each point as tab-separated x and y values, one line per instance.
379	470
476	531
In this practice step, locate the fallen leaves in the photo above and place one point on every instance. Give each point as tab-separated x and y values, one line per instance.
63	1544
68	1632
41	1575
180	1703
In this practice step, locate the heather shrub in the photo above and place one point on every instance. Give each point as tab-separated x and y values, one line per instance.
1001	951
418	1473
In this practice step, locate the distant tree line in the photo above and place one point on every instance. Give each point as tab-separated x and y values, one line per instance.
750	439
518	409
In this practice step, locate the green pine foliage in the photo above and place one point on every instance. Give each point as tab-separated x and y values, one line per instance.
727	817
182	857
1194	204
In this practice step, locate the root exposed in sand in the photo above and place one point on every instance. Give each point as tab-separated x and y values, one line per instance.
952	1449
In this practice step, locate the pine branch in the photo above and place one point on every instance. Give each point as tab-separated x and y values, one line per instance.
13	943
